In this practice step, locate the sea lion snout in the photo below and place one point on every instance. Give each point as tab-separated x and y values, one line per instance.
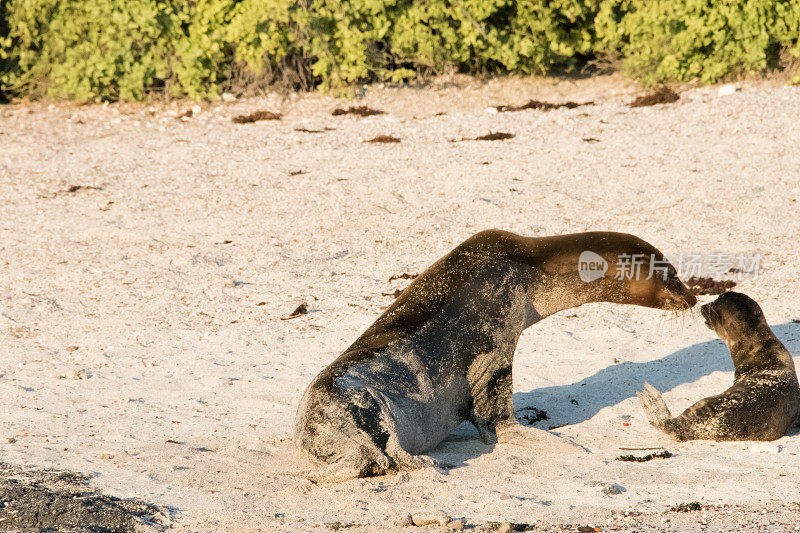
709	314
688	299
679	302
676	296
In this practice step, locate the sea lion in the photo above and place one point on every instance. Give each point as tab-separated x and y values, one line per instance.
764	400
442	352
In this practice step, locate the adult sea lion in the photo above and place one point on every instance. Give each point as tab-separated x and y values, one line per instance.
764	401
442	352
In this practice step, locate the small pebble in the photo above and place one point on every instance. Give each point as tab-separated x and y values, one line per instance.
613	488
433	518
504	527
727	90
457	525
404	521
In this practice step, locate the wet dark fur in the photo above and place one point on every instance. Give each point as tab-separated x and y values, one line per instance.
764	401
444	348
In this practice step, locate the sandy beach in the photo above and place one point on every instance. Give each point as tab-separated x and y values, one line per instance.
147	259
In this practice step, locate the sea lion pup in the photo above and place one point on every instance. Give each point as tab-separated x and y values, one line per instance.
764	400
442	352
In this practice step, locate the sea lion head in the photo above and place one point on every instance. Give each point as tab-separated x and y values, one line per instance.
633	272
733	316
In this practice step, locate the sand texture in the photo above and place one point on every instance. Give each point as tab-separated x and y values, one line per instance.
147	259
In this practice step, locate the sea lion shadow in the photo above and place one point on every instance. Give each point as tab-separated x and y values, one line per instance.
580	401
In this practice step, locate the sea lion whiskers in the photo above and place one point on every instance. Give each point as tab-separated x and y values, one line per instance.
681	314
675	319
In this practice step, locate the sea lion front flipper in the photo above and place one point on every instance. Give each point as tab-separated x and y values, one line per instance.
354	465
486	431
406	461
654	406
336	473
492	394
513	433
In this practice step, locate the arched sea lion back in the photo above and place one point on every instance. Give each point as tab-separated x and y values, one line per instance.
442	352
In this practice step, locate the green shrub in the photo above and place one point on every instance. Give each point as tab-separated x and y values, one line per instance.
5	46
200	52
664	40
87	49
523	36
262	32
112	49
109	49
347	39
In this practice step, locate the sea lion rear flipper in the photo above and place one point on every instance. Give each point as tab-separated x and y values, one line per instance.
654	406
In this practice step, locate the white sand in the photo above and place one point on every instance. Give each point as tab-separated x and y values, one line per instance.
172	343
